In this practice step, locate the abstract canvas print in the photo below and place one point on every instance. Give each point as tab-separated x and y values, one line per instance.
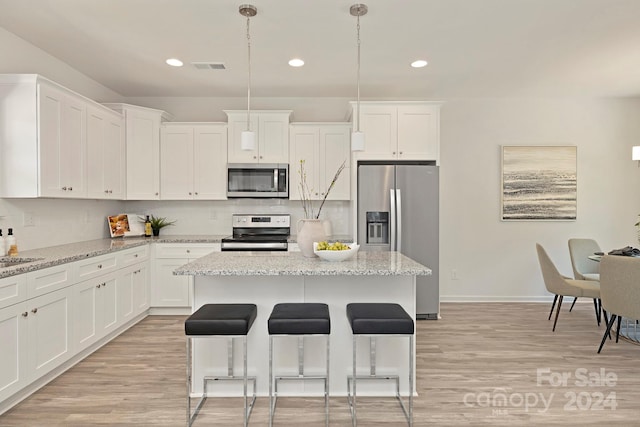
539	183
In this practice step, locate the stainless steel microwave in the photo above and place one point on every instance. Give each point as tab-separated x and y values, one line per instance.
253	180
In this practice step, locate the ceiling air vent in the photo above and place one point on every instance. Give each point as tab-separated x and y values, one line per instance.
209	65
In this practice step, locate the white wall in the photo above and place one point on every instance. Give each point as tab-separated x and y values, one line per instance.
20	57
496	260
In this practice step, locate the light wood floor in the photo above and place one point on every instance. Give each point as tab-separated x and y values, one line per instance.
466	361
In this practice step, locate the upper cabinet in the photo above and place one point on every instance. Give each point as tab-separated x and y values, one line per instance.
193	161
399	130
272	136
323	147
44	138
105	154
142	135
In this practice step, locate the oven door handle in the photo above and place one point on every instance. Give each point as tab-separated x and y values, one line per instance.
275	179
248	246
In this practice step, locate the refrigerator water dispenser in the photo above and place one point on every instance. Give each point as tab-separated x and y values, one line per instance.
378	228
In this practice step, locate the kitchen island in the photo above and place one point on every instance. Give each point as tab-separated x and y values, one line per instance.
268	278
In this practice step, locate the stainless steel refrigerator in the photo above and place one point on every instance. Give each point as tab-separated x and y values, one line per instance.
398	211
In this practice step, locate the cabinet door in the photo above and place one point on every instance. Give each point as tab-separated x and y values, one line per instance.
304	147
236	125
108	304
170	290
143	155
334	150
87	315
73	148
140	289
124	295
418	132
50	107
49	331
210	162
380	126
114	157
105	154
13	336
176	163
273	138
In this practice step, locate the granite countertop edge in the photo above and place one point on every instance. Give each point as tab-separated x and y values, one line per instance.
52	256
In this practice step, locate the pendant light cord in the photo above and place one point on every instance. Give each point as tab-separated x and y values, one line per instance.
358	76
248	76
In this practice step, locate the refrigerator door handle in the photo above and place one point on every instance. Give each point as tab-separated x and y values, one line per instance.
392	225
398	220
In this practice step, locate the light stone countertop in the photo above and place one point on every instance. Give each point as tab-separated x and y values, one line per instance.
295	264
62	254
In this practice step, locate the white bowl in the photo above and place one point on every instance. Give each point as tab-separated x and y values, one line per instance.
336	255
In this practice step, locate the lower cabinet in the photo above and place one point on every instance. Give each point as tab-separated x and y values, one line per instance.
13	333
169	290
132	293
96	310
49	331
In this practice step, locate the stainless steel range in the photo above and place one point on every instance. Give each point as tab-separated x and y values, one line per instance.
258	233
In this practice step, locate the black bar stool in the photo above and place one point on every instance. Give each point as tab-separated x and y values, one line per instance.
221	320
302	319
373	320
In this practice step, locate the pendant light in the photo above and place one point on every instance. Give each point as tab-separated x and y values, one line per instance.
248	137
357	137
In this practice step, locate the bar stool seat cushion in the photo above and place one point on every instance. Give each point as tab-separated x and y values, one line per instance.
300	319
379	318
221	319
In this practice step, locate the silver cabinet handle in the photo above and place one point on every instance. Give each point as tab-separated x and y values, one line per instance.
99	265
70	188
106	191
35	310
25	314
64	188
98	286
188	251
135	256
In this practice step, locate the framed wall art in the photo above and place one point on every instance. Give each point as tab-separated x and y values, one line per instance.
539	183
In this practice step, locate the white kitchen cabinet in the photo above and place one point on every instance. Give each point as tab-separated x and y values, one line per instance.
323	147
13	289
95	310
13	336
142	136
193	161
399	130
49	331
169	290
272	136
140	283
43	138
105	154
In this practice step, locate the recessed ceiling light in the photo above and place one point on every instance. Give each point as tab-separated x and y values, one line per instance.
296	62
419	63
174	62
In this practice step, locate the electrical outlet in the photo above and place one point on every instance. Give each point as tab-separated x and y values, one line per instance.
454	274
28	219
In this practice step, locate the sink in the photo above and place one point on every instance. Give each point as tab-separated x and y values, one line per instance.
13	261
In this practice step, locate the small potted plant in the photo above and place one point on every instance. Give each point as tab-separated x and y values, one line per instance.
157	223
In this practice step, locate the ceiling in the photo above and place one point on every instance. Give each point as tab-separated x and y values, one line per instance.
475	48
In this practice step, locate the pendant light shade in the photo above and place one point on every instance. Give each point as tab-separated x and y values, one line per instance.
248	140
248	137
357	137
357	141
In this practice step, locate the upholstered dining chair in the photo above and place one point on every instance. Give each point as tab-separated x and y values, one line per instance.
562	286
583	267
620	290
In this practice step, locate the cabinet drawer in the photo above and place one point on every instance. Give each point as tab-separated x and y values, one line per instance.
133	256
96	266
185	250
50	279
13	289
